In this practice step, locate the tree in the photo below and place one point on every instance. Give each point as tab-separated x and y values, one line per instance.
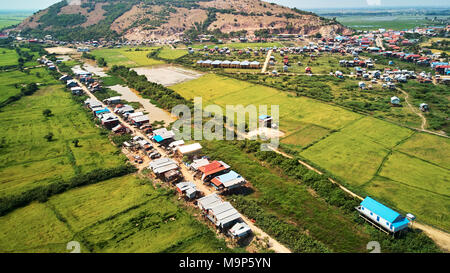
47	113
76	143
101	62
49	137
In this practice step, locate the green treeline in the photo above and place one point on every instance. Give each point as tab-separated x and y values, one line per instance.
42	193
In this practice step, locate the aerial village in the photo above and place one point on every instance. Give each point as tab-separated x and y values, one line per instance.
168	159
200	180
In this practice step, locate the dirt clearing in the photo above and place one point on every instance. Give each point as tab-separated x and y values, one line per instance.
61	50
167	75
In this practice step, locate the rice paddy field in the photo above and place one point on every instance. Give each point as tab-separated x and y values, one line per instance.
395	22
365	153
171	54
130	57
28	160
8	57
11	18
125	214
12	81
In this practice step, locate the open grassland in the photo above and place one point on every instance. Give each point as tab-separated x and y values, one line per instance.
129	57
359	150
28	160
429	148
292	201
8	19
355	159
12	81
299	110
343	92
8	57
416	173
171	54
123	214
373	22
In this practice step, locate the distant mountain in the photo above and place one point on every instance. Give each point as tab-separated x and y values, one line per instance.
172	19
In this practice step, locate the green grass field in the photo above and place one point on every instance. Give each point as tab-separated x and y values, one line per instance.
8	57
371	22
124	214
12	18
127	56
28	160
171	54
360	150
300	111
11	82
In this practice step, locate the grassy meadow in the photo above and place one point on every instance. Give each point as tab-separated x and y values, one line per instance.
360	150
129	57
12	81
28	160
373	22
171	54
8	57
8	19
124	214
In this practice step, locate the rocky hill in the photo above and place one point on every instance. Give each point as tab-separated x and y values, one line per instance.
172	19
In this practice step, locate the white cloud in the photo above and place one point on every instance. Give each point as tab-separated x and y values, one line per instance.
374	2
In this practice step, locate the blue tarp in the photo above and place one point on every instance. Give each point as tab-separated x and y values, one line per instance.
228	176
102	111
158	138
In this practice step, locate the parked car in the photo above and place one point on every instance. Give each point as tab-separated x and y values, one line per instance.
138	159
155	155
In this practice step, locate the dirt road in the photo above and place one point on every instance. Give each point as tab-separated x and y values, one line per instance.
421	115
266	63
379	42
273	244
417	112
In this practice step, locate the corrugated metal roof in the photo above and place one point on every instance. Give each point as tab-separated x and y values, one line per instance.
380	209
209	201
192	148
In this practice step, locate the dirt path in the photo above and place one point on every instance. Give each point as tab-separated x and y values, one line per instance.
424	120
379	42
266	63
441	238
273	244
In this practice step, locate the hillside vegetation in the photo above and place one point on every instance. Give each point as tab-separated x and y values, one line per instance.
150	19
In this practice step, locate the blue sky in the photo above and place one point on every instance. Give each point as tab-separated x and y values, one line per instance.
305	4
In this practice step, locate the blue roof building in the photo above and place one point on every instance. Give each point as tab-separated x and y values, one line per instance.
383	216
158	138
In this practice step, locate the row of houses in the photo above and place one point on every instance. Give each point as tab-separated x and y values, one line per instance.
137	119
108	120
50	65
229	64
223	215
